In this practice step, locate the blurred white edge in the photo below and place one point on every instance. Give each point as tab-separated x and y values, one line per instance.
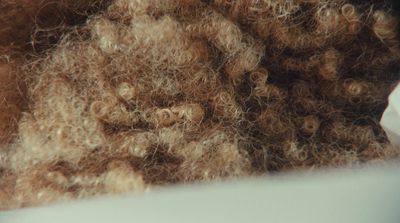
391	117
357	195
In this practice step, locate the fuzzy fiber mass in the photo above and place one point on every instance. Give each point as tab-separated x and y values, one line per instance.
102	97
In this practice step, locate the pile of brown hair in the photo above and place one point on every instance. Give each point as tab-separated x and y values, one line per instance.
114	96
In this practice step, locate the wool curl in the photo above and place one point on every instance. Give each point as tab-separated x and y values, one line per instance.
127	95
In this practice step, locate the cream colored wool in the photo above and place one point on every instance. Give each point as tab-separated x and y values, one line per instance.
142	93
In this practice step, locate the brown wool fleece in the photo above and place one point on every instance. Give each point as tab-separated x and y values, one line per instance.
125	95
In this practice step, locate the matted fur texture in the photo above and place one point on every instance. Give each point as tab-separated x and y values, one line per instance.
125	95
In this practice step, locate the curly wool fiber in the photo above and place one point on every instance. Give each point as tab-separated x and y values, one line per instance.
127	95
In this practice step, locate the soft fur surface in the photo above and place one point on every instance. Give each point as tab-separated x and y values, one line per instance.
105	97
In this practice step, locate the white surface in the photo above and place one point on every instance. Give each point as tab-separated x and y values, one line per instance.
367	196
391	118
